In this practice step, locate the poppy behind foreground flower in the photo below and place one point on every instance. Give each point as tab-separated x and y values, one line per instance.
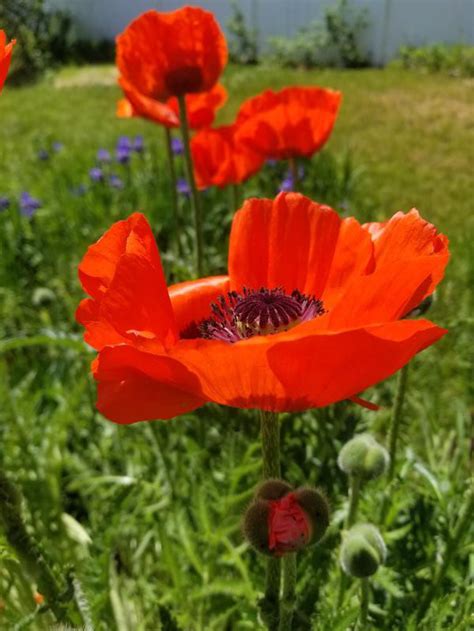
171	54
5	57
294	122
201	108
310	313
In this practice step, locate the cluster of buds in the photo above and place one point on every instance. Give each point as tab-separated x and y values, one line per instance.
280	519
363	551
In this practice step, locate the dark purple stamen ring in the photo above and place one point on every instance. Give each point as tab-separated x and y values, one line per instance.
258	312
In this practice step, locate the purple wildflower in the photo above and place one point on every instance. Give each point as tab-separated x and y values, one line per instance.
124	142
177	146
138	144
103	155
182	187
4	202
287	184
96	174
57	146
115	182
43	155
271	162
28	205
123	155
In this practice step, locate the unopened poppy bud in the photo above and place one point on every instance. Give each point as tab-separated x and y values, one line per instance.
362	551
273	490
363	456
316	507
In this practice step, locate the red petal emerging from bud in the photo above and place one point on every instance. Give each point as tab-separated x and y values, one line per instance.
288	526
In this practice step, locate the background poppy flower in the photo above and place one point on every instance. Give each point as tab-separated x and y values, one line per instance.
164	352
201	108
171	54
296	121
5	57
219	160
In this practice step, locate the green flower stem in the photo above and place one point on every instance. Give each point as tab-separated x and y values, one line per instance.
293	166
234	197
269	604
195	201
172	182
287	605
396	420
394	431
364	602
452	546
354	495
29	553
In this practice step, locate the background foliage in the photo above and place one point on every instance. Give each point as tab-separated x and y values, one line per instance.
148	515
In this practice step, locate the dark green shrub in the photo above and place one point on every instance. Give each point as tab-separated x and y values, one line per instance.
456	60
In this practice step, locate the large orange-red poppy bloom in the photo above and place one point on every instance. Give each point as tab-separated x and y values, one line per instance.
201	108
5	57
171	54
219	160
296	121
268	341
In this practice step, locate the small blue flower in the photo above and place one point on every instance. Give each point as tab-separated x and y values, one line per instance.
124	142
57	146
4	202
122	155
103	155
115	182
43	155
177	146
182	187
138	144
96	174
287	184
28	205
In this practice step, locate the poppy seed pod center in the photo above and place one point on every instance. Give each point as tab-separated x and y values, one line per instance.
258	312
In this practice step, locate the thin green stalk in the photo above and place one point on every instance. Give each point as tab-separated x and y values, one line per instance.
269	604
452	546
234	197
173	182
354	495
293	166
393	434
287	605
195	201
29	553
364	602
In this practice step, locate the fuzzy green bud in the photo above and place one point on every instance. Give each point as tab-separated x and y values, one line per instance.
362	551
273	490
316	507
364	457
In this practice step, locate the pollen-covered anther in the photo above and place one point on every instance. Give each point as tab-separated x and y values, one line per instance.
258	312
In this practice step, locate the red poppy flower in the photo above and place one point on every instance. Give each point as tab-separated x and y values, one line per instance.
5	57
171	54
290	123
219	160
310	313
289	527
201	108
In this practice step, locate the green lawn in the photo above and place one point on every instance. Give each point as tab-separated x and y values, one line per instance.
149	515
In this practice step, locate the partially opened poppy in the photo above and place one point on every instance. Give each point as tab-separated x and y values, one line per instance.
219	160
5	57
296	121
311	312
201	108
171	54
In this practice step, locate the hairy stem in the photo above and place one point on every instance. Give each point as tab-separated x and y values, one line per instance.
195	201
269	604
287	605
364	602
293	166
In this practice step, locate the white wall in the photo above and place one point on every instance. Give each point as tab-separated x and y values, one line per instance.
393	22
